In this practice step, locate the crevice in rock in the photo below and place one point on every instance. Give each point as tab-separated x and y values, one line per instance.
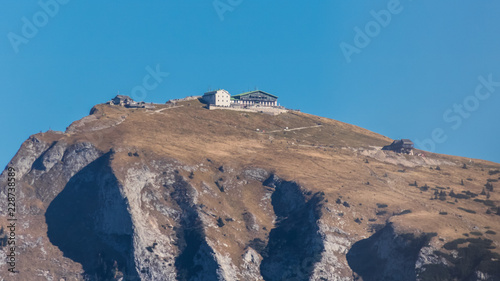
196	260
386	255
295	244
89	222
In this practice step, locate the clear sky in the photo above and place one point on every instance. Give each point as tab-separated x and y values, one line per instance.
424	70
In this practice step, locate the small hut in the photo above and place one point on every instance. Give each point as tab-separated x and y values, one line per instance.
400	146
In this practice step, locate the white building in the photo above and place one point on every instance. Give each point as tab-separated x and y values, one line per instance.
217	98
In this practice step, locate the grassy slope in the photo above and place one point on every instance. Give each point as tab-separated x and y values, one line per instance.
320	159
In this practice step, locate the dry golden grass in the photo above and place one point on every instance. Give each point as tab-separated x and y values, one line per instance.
320	159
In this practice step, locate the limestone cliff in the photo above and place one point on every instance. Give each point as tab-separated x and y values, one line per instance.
184	193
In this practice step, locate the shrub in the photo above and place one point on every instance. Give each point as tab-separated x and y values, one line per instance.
404	212
453	245
488	186
442	195
493	172
467	210
220	222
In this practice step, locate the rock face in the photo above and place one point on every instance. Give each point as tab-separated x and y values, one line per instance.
107	208
386	255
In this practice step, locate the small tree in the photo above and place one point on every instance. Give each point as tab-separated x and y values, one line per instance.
488	186
452	194
442	195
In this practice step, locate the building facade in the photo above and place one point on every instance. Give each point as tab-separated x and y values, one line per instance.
218	98
255	98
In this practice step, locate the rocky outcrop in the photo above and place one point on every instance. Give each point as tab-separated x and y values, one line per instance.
387	255
87	214
295	245
90	223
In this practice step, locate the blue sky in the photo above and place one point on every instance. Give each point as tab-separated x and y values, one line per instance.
424	70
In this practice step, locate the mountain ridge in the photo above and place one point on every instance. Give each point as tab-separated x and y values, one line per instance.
207	194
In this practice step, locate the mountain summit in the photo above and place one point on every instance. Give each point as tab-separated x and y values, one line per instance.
179	192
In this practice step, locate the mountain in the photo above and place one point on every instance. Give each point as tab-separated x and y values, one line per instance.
180	192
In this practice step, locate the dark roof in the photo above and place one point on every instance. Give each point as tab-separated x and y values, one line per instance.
407	141
121	98
248	93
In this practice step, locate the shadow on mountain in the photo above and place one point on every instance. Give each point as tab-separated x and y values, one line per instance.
295	245
386	255
196	260
90	224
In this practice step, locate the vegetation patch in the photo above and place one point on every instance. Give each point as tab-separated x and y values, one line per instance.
459	195
490	232
380	205
404	212
424	188
220	222
467	210
258	245
488	186
453	245
374	227
475	257
493	172
469	193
